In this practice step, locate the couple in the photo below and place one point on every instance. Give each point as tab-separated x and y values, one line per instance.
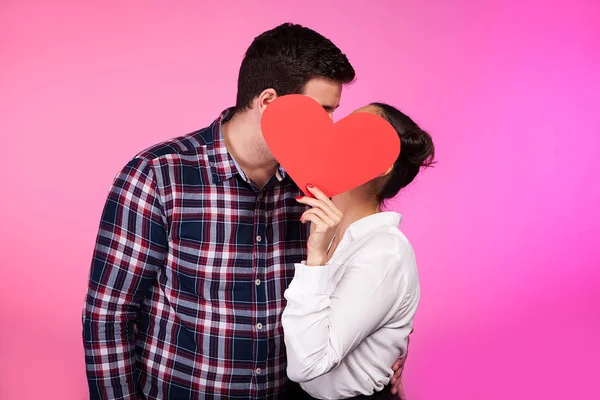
213	277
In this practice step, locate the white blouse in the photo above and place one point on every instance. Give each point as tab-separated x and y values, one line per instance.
347	322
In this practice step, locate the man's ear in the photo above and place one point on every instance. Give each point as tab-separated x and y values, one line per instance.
265	98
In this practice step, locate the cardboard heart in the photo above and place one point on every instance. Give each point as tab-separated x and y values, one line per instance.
333	157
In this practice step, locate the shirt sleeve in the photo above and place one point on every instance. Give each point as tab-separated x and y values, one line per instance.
130	248
322	324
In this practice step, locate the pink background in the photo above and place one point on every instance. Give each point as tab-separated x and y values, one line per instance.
505	227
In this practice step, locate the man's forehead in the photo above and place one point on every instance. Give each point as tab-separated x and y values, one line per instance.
325	92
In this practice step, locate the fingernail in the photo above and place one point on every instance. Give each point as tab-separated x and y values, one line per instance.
298	197
310	186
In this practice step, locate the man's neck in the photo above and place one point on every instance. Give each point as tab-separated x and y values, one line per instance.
247	148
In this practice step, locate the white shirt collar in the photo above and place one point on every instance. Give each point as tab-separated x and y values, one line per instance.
365	225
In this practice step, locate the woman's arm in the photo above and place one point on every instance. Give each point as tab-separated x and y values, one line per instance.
322	325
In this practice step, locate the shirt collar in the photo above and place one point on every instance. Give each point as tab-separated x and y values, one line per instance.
364	226
223	165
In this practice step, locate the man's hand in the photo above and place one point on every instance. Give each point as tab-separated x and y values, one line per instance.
398	367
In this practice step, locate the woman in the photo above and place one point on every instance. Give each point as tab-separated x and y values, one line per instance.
351	304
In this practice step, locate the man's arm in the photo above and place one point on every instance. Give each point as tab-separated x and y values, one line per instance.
398	367
130	248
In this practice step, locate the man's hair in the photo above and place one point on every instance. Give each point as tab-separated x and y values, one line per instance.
285	59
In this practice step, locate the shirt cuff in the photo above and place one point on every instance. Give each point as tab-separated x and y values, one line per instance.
312	280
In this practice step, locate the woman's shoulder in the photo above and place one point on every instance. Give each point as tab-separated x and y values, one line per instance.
390	241
392	251
378	242
386	257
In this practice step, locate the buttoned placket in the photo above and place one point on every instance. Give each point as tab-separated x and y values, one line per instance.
260	295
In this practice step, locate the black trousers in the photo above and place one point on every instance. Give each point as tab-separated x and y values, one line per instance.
295	392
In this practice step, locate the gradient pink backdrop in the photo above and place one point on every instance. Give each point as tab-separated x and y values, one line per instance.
505	228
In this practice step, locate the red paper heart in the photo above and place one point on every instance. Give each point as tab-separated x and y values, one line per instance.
334	157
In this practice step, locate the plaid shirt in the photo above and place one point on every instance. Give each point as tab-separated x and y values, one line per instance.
186	286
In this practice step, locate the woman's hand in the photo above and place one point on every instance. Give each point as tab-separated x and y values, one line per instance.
324	217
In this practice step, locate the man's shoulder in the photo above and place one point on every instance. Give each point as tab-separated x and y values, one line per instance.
191	144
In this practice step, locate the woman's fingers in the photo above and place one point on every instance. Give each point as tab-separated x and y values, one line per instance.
322	202
313	219
321	196
320	205
322	216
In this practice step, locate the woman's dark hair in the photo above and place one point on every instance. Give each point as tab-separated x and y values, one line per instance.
416	152
285	59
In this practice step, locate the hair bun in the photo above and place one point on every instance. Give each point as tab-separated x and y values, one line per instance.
417	149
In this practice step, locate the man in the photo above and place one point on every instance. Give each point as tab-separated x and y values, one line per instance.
197	244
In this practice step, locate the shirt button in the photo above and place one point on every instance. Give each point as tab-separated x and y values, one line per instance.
258	371
257	282
259	326
259	238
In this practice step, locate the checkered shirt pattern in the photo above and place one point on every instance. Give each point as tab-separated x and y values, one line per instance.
189	269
